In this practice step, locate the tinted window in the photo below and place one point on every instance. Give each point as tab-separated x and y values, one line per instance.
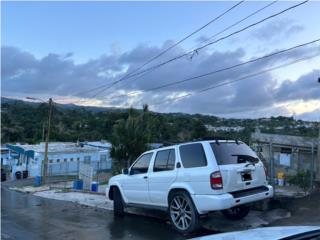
142	164
164	160
192	155
232	153
172	159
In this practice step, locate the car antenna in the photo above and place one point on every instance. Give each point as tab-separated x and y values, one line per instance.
237	142
217	142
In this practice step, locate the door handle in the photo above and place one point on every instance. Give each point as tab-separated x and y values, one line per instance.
145	177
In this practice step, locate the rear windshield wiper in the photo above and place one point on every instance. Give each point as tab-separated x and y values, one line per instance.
246	158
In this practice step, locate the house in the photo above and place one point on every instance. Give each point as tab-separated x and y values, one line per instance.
64	158
288	154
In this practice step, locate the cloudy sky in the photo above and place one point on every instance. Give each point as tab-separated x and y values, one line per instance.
71	50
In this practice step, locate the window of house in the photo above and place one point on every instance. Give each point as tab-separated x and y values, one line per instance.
87	159
192	155
164	160
78	159
58	160
50	161
142	164
71	159
65	160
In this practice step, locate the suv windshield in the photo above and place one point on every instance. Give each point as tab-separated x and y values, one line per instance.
233	153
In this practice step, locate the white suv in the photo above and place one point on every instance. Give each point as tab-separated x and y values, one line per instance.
192	179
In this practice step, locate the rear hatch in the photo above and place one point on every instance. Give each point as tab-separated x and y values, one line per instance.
240	167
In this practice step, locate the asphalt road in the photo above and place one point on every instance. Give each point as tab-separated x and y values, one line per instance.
25	216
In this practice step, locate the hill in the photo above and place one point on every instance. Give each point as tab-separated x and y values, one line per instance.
24	122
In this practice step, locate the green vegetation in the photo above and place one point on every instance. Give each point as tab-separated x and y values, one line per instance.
23	122
130	138
301	179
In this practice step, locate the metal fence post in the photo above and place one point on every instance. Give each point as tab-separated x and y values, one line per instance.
271	164
311	167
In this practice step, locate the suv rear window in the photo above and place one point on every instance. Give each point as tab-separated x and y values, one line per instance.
233	153
192	155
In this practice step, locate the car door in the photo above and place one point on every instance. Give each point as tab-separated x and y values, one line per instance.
135	186
162	175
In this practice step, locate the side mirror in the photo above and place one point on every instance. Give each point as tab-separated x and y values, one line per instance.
125	171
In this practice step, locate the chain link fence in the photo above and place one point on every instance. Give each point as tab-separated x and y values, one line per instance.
63	174
290	170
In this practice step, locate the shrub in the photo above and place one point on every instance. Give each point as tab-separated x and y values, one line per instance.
301	179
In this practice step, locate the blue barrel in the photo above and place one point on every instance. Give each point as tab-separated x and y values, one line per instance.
37	181
94	186
78	184
75	184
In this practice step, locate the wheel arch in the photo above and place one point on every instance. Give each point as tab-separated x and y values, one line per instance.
113	186
180	187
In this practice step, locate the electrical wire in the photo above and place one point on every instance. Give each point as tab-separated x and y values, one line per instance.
236	80
108	86
219	70
180	41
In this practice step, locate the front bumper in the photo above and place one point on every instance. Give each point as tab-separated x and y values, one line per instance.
208	203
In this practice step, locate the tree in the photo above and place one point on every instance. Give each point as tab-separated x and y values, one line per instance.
199	130
129	139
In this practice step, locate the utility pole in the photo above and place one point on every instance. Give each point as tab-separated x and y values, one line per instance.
45	162
43	131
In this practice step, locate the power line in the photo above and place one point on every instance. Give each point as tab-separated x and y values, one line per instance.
213	36
236	23
236	80
107	86
188	36
181	40
221	69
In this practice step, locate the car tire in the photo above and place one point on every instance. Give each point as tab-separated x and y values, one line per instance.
236	213
183	213
118	206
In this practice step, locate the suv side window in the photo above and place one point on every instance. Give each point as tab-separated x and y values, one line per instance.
142	164
164	160
192	155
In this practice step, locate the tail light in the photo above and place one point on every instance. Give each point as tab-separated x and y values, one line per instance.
216	180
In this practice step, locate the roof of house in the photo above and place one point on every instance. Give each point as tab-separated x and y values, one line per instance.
60	147
284	139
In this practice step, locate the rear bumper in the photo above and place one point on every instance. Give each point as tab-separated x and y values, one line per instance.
208	203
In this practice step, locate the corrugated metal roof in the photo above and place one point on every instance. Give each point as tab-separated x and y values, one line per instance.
59	147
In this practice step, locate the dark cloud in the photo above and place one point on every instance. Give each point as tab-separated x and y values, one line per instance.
60	75
306	88
282	28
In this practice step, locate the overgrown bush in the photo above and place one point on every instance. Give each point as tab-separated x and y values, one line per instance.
301	179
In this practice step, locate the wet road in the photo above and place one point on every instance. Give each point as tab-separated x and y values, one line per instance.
26	217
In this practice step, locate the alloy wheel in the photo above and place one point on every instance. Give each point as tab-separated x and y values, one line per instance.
180	212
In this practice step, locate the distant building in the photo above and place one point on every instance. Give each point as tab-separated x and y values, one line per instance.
211	128
63	157
288	154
